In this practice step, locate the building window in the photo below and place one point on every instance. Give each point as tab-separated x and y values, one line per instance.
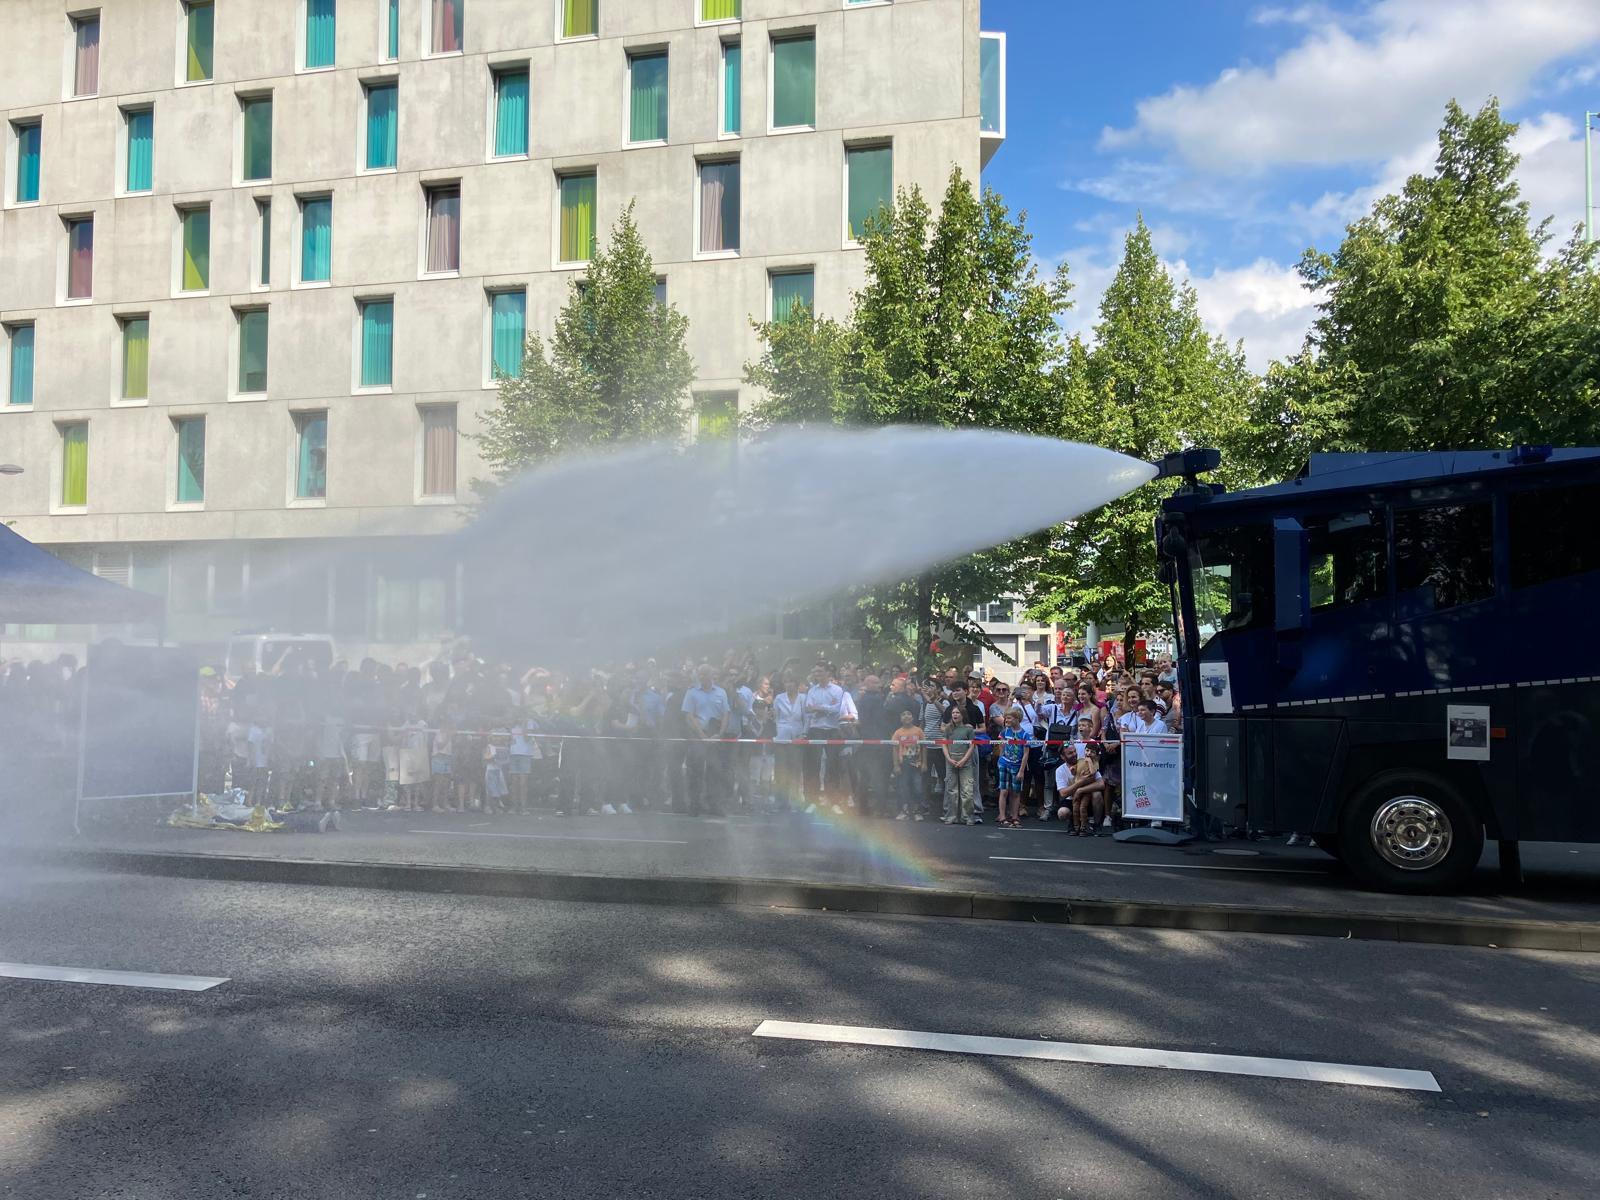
732	87
86	55
377	343
75	465
716	416
80	258
199	35
257	128
196	232
253	351
19	386
719	207
391	29
580	18
383	126
577	218
794	82
444	229
508	333
311	458
136	358
869	186
447	16
28	140
791	290
661	290
647	97
320	33
264	243
511	113
191	483
992	83
439	451
316	238
141	124
719	10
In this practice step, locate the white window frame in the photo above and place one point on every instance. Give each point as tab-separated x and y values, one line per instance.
560	34
58	467
357	388
561	264
236	348
722	89
383	33
296	415
492	116
63	257
849	4
300	67
120	324
799	33
240	100
1005	60
262	217
174	443
14	160
420	459
179	208
429	186
645	51
297	241
69	73
701	23
701	255
696	397
7	330
427	31
806	268
181	68
490	291
120	185
363	120
844	211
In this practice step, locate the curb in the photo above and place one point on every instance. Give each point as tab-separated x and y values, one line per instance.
835	897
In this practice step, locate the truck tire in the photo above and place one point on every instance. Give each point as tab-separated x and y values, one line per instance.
1410	831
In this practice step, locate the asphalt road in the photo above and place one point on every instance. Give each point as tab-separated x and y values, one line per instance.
373	1044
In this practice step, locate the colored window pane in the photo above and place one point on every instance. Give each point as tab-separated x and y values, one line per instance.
447	16
719	207
320	28
794	82
253	351
719	10
201	35
311	474
141	149
75	465
258	138
717	416
86	57
20	389
136	358
508	333
439	451
991	67
647	88
191	460
580	18
377	343
197	249
790	291
394	29
383	126
80	259
871	186
732	88
511	113
577	218
444	230
264	215
316	239
28	140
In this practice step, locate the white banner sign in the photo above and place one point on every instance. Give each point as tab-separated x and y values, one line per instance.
1152	777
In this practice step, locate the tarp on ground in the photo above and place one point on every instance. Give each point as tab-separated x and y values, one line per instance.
37	588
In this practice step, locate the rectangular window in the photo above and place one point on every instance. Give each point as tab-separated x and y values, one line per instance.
580	18
447	26
1443	557
253	350
136	358
19	388
647	97
28	140
991	83
86	55
716	416
1348	560
577	218
444	229
732	87
75	465
719	10
196	249
1540	554
508	333
719	207
141	148
80	258
790	290
257	158
316	239
264	246
661	290
191	483
510	113
794	82
377	343
870	186
439	451
311	458
383	126
320	28
199	36
391	32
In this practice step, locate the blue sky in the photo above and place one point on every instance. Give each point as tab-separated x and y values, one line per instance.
1247	130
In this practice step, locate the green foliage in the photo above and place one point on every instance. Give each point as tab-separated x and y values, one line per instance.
616	369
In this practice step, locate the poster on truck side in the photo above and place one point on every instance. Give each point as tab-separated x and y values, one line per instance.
1152	777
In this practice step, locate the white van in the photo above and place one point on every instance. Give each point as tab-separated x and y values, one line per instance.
267	651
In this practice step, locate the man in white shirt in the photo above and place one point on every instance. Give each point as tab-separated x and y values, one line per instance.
706	714
824	709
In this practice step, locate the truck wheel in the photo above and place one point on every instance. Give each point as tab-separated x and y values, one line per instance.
1407	831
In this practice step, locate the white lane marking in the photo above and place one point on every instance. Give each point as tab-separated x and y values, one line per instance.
138	979
549	837
1155	866
1112	1056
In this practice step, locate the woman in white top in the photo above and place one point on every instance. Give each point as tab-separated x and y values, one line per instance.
789	723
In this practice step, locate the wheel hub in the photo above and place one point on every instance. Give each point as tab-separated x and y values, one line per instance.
1411	833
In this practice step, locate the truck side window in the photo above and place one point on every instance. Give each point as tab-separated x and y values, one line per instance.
1444	555
1348	559
1555	532
1231	575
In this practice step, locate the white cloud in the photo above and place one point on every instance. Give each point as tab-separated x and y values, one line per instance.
1363	89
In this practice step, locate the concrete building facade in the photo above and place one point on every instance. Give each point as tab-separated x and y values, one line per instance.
259	260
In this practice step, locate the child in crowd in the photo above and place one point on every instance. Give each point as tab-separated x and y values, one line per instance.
1013	762
906	777
961	768
1086	785
442	763
521	767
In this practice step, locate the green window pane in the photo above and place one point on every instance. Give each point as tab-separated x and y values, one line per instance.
191	460
201	33
316	239
732	87
794	82
511	113
141	149
791	290
311	475
258	138
648	97
377	343
136	358
320	17
577	218
719	10
718	416
264	208
580	18
20	390
871	186
508	334
75	465
253	351
28	138
383	126
197	249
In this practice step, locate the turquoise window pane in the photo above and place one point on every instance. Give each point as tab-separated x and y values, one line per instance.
508	333
383	126
989	65
648	98
794	82
871	186
511	113
191	460
316	239
320	16
311	479
377	343
21	390
141	148
394	28
790	290
732	87
27	163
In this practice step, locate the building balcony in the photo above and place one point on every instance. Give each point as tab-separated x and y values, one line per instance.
992	89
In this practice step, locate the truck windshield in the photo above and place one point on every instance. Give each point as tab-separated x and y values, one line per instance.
1230	571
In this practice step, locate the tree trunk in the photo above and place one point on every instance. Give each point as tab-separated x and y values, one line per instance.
1129	636
924	618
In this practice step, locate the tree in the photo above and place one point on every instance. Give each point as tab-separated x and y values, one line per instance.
616	368
1154	381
